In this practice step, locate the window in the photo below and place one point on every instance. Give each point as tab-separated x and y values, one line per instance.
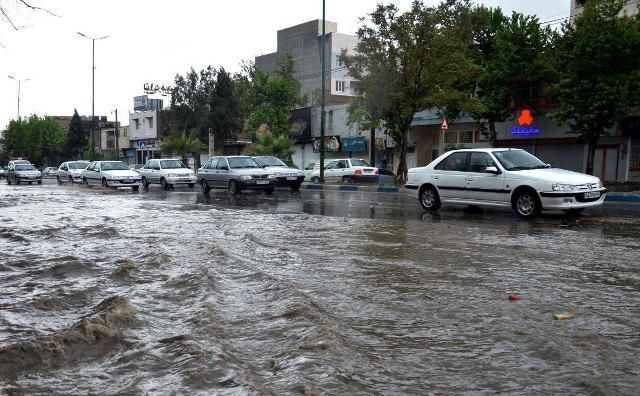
332	165
137	121
311	166
171	164
514	160
456	162
211	164
222	164
359	162
242	163
150	122
343	164
339	86
339	62
479	162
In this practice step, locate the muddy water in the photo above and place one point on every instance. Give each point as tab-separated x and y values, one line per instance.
113	292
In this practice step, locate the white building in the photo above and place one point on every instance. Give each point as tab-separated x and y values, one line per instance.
143	134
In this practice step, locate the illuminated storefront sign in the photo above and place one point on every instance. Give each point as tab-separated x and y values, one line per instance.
525	125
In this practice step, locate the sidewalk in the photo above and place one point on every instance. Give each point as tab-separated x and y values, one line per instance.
612	196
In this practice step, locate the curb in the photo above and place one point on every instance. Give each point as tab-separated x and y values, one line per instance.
620	197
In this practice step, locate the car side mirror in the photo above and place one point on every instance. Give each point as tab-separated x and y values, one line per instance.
492	169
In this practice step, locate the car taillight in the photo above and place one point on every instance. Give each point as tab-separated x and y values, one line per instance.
358	171
377	171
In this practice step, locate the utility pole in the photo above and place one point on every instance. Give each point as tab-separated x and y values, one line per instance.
93	90
324	40
19	87
117	135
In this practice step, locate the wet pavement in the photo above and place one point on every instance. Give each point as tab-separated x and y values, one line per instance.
105	291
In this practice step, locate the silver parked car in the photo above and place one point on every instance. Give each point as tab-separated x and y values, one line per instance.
22	172
49	171
71	171
285	175
236	173
111	174
167	173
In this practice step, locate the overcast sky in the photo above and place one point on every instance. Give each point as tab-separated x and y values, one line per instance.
151	41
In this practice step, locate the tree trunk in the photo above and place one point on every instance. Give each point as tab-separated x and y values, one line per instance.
401	174
591	155
493	135
372	143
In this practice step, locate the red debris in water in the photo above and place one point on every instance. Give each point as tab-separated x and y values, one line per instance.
513	297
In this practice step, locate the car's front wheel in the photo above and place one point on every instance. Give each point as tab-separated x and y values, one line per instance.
233	188
70	179
164	184
85	182
269	191
204	185
8	181
429	198
295	187
145	182
104	182
135	188
59	180
527	205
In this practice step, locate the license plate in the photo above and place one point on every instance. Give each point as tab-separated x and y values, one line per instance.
292	178
368	170
262	182
592	194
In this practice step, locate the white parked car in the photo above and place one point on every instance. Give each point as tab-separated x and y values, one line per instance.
347	170
503	177
71	171
49	171
285	175
309	169
167	173
111	174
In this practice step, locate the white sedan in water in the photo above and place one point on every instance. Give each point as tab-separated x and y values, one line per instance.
503	177
71	171
111	174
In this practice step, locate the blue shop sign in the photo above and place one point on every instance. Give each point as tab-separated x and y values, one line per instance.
355	144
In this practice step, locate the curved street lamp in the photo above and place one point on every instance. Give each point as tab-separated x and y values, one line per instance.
19	80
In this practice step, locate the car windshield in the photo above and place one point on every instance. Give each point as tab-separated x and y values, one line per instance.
269	161
359	162
108	166
242	162
78	165
25	167
171	164
513	160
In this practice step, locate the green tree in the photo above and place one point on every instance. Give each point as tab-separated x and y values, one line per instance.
598	64
280	146
40	140
269	99
368	117
225	113
513	54
412	61
182	145
77	137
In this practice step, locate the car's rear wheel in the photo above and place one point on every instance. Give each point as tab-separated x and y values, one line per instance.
145	182
85	182
104	182
527	205
39	182
346	179
17	181
233	188
164	184
573	212
204	185
429	198
8	181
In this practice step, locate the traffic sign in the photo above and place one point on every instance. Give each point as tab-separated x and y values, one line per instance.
142	145
444	125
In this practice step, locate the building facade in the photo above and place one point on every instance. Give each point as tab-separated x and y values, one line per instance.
630	7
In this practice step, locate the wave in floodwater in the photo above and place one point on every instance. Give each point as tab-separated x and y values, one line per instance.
112	292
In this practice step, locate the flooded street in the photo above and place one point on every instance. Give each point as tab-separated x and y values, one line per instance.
105	291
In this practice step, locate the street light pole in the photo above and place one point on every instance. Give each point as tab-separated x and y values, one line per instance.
93	89
19	88
322	118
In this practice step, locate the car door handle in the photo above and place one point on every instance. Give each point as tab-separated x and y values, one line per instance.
435	177
469	180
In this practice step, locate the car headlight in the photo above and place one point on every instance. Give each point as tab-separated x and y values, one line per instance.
246	177
271	177
562	187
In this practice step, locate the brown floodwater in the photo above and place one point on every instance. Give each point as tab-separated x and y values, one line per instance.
173	292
